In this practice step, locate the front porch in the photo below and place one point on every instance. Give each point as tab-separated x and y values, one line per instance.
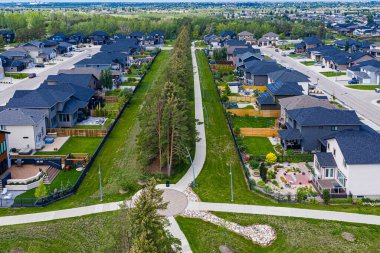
334	187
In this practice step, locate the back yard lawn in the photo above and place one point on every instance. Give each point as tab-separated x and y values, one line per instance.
257	145
332	73
363	87
293	235
63	180
254	122
77	145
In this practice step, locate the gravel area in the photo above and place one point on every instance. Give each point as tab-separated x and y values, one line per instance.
262	235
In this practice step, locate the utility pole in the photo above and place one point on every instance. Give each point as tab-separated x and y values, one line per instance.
232	186
194	184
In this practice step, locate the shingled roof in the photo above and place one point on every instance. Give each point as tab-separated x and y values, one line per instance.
21	117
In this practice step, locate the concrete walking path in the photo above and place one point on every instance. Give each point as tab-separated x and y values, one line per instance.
285	211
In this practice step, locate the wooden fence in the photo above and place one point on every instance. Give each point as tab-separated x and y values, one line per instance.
259	132
242	99
257	113
110	99
78	132
228	67
259	88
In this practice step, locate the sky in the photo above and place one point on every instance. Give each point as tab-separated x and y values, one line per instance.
141	1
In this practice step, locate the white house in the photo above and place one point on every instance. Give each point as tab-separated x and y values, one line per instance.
350	165
27	127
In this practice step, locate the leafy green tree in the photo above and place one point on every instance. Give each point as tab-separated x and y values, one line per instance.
41	190
301	194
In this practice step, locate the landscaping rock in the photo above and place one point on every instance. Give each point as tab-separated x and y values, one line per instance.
348	237
225	249
121	191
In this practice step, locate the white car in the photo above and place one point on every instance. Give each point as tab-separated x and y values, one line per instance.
377	90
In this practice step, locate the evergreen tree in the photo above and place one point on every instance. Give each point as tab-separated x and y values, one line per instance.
145	230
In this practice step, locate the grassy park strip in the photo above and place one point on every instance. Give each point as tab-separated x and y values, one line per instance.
214	180
333	74
117	158
293	235
363	87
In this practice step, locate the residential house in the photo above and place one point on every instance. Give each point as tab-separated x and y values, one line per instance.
342	60
367	72
10	65
227	35
242	50
37	51
257	73
375	49
8	36
129	46
307	43
231	45
302	101
64	47
351	45
5	162
350	164
290	76
27	127
212	40
268	39
242	60
269	100
105	60
140	36
157	37
87	80
59	37
247	37
306	126
99	38
65	104
92	71
77	38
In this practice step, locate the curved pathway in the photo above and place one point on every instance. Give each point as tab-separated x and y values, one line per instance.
178	201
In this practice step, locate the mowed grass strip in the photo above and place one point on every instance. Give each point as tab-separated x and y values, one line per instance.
293	235
214	180
257	145
253	122
117	159
363	87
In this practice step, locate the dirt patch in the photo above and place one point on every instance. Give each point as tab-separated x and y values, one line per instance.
348	236
225	249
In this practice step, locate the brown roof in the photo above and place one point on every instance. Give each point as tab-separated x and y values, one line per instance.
305	101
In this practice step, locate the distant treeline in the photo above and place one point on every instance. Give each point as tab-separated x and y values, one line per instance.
38	25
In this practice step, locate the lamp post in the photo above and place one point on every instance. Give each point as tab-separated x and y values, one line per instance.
232	186
194	184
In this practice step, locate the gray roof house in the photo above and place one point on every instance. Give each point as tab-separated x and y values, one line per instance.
105	60
349	164
27	127
257	73
64	103
84	80
305	126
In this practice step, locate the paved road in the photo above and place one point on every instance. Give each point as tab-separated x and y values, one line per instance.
360	101
31	84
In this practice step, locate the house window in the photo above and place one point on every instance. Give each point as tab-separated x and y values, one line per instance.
334	151
328	146
334	128
341	178
344	163
329	173
64	117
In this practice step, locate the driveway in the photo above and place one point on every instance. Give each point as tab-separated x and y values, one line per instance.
360	101
7	90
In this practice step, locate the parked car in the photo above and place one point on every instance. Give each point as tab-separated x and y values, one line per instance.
32	75
40	65
283	54
67	55
276	50
353	81
377	90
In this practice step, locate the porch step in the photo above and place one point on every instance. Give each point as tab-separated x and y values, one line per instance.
52	173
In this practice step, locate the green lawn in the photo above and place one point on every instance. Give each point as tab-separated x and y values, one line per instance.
293	235
332	73
214	179
363	87
295	55
63	179
77	145
17	75
254	122
117	157
93	233
257	145
106	125
308	63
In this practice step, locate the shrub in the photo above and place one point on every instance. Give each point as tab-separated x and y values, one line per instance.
254	164
270	174
301	194
274	182
283	180
261	183
263	172
40	190
359	202
326	196
271	158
